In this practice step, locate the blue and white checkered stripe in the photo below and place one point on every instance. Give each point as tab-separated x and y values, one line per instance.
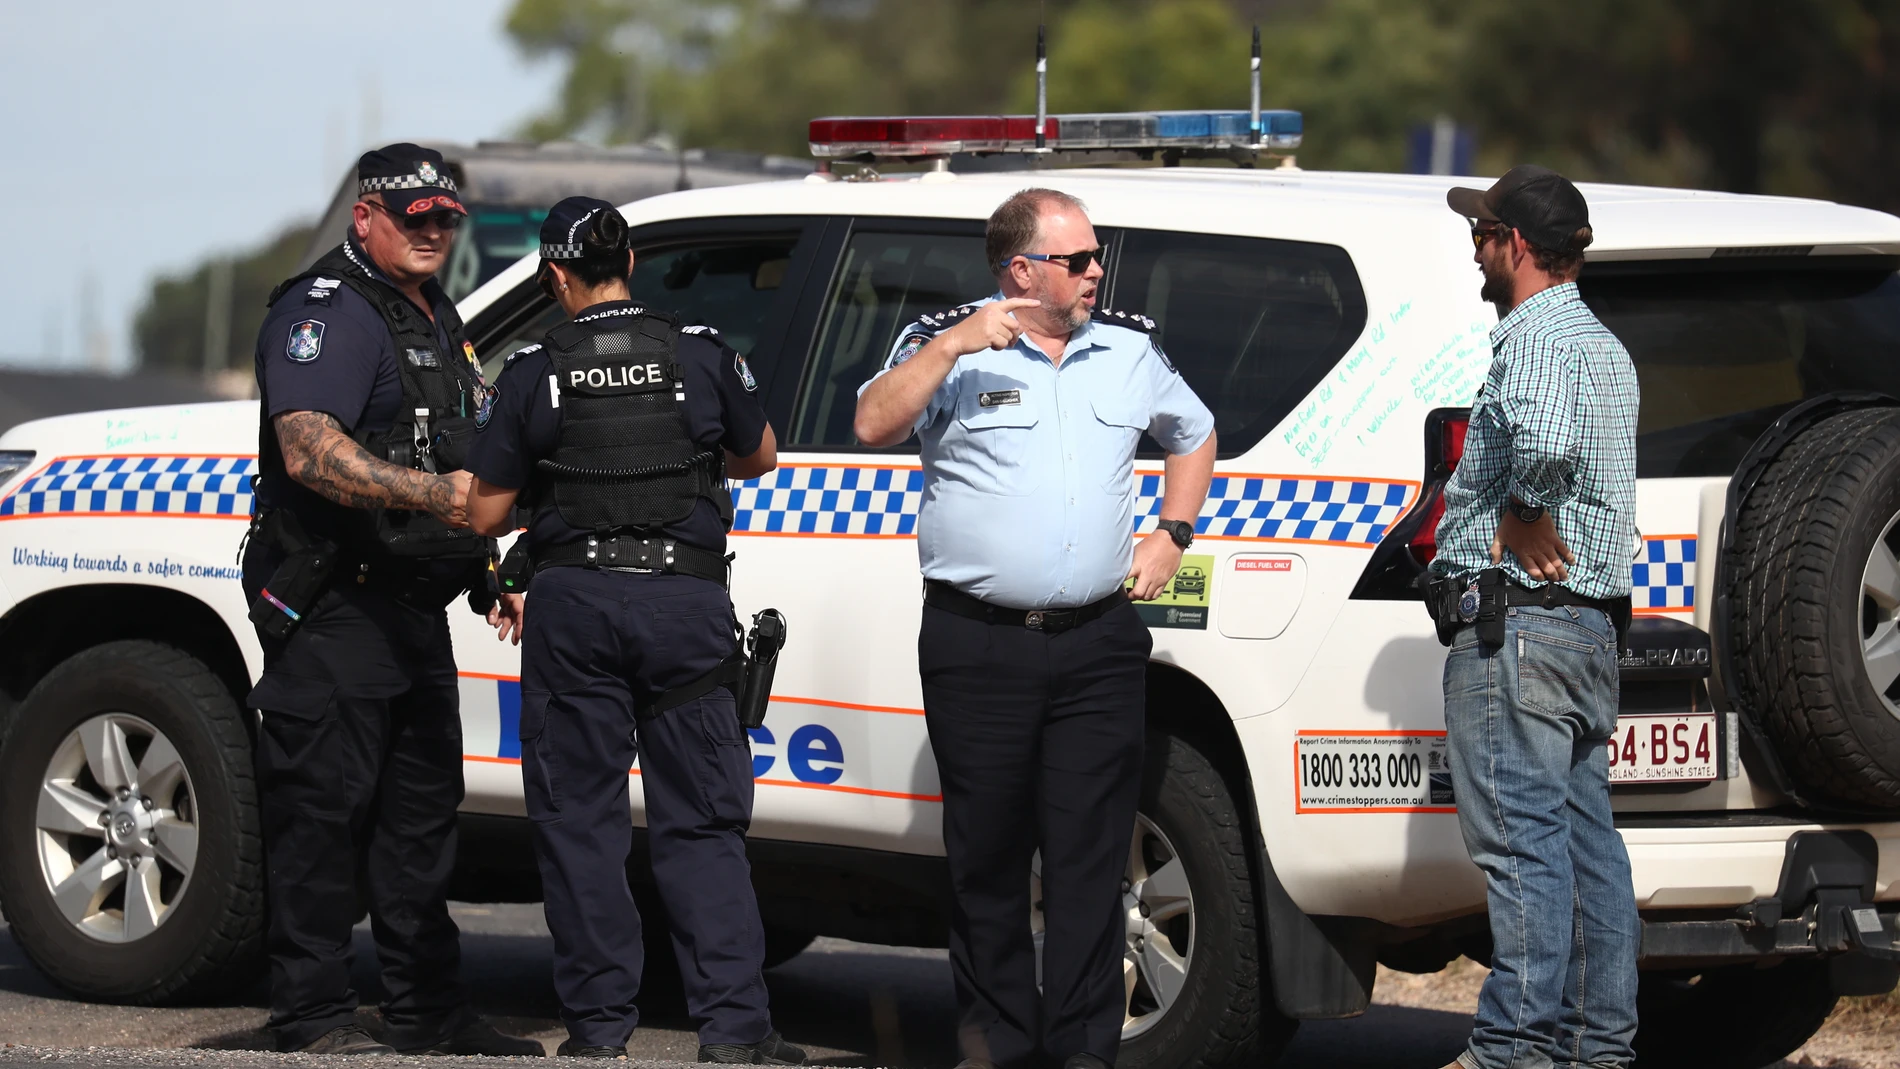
824	500
1340	511
829	500
150	485
1663	579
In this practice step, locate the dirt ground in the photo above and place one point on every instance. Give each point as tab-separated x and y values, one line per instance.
1862	1033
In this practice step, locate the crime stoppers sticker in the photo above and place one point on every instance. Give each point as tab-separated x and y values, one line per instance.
1372	772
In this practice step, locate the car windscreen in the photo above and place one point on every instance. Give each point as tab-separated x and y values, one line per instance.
1722	351
493	236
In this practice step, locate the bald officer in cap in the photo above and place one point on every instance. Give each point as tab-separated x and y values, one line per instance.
367	395
619	430
1029	405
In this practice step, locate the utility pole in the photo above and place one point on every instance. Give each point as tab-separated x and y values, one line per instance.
218	317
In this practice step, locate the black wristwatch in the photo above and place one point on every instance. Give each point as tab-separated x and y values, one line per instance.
1180	530
1525	513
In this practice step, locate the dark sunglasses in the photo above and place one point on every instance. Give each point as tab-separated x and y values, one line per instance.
1482	232
1077	262
445	219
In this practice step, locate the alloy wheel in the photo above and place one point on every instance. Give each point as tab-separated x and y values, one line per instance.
116	828
1880	616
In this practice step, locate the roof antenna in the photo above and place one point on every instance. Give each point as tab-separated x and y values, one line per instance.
1042	88
1254	127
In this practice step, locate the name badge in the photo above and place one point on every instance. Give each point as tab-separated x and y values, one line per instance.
424	358
1000	397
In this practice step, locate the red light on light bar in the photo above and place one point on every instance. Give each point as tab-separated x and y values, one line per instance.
924	134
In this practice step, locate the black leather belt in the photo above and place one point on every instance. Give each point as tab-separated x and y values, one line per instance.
943	596
1550	596
626	553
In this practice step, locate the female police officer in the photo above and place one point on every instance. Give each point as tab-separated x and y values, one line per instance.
619	430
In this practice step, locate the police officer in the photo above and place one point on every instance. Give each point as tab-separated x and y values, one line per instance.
619	431
360	541
1029	405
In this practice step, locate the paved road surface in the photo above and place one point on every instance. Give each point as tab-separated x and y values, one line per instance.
851	1004
854	1005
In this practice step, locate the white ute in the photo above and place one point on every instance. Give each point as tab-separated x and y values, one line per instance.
1297	822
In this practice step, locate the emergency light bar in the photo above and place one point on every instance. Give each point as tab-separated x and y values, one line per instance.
940	135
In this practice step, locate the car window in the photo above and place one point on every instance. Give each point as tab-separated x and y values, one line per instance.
730	285
1720	354
1253	324
884	281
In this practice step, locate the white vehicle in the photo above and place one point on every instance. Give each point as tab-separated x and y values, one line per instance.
1297	823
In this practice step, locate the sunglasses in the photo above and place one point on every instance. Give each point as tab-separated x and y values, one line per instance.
445	219
1077	262
1482	232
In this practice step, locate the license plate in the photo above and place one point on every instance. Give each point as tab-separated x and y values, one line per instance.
1664	748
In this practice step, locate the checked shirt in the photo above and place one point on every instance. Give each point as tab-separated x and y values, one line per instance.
1554	425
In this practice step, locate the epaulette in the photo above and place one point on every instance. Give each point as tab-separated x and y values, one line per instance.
707	333
521	352
944	320
1131	320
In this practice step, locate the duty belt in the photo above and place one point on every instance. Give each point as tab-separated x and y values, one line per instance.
943	596
627	553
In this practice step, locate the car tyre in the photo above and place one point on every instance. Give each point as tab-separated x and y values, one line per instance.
209	936
1740	1017
1816	606
1223	1012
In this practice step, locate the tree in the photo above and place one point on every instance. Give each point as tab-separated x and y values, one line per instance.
169	329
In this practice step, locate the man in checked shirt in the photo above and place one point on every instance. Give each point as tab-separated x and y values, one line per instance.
1532	588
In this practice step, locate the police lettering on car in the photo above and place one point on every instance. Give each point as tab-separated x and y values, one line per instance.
619	431
359	541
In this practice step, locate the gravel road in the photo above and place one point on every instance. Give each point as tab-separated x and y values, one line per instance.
850	1004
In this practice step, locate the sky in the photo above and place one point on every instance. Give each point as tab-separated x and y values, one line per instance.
137	138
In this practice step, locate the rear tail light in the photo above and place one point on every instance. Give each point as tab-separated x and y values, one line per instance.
1445	447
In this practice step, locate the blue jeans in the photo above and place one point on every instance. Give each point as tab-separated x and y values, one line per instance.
1527	723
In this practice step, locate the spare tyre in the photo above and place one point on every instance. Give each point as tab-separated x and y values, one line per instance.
1814	600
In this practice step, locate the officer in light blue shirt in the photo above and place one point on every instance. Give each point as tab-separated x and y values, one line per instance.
1029	405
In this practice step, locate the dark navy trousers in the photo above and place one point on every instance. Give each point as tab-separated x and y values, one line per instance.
1039	740
359	758
596	644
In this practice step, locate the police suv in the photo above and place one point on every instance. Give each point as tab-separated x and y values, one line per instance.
1297	822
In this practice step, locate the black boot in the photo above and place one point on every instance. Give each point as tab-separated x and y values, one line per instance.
474	1035
569	1049
772	1050
346	1039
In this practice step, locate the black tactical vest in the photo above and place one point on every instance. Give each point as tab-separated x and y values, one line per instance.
626	460
441	393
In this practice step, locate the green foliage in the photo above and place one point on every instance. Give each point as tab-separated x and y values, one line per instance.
169	330
1792	96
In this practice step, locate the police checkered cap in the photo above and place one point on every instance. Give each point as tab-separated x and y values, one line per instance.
563	232
406	174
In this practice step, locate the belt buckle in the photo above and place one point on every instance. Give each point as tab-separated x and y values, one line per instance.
1033	621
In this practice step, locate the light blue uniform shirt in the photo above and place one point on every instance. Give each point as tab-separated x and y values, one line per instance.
1029	490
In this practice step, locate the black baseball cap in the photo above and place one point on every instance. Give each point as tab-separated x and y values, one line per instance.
1537	202
412	179
566	224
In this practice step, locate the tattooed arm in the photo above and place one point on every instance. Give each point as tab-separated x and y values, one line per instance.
319	455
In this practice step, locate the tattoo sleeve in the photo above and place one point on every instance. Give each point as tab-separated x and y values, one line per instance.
320	456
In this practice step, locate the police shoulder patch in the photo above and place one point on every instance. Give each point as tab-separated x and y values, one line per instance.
485	406
744	371
521	352
306	341
907	348
1131	320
